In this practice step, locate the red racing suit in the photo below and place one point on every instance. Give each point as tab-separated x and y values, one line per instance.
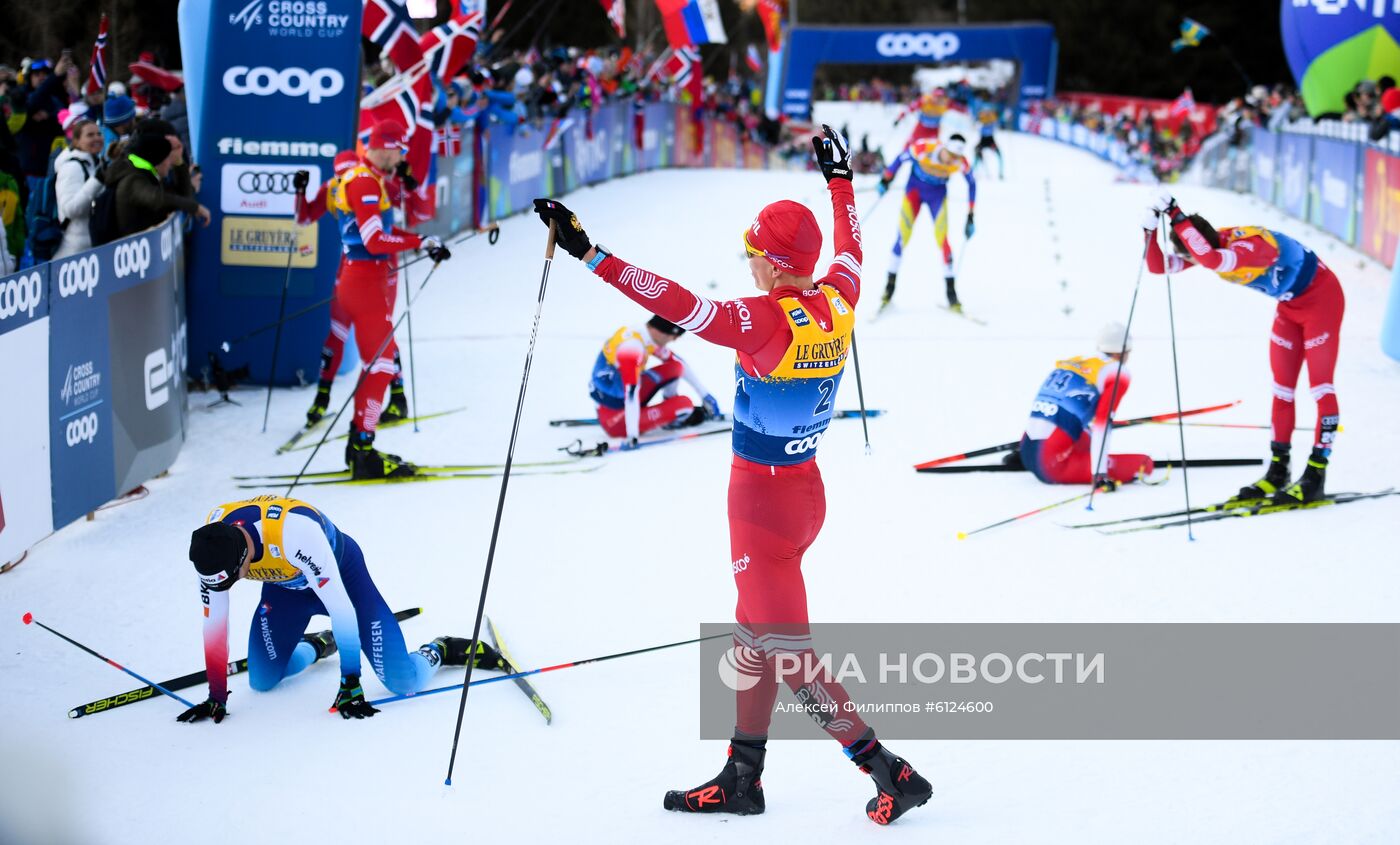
363	204
791	346
1307	323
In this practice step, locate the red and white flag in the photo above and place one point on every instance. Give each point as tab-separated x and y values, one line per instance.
407	98
449	47
1183	105
753	58
388	24
617	15
97	69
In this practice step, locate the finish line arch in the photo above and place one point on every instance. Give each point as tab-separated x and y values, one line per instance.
1031	44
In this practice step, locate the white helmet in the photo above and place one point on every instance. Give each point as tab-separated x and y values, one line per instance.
1112	339
116	88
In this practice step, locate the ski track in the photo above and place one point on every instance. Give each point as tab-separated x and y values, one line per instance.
637	554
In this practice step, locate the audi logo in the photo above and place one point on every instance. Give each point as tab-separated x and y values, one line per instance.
315	85
21	295
132	257
82	429
805	444
78	275
937	45
257	182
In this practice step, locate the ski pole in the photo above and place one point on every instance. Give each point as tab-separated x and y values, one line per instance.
501	500
1160	462
542	670
364	373
281	314
1176	379
963	535
492	232
860	391
228	345
408	310
28	618
1006	447
577	450
1122	351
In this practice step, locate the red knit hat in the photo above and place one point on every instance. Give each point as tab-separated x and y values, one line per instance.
387	135
1390	100
786	234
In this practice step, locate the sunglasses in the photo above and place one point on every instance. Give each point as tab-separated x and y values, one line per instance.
753	251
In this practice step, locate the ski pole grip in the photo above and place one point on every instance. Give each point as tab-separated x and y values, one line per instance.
549	246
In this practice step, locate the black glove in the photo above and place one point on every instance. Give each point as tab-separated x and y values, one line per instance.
300	180
350	701
969	228
567	233
436	251
208	709
1104	484
405	175
487	657
832	156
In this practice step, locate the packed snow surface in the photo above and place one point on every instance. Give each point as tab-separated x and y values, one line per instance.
637	554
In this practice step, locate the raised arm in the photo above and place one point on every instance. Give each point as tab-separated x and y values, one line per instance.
844	271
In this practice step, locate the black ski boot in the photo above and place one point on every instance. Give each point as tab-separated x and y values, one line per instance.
365	461
898	788
1308	487
320	404
397	409
455	651
889	292
736	789
323	642
1274	480
953	304
697	415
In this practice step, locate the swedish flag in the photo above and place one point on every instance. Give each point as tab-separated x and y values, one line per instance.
1192	34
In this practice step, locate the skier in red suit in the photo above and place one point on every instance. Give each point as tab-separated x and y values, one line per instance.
791	345
364	208
1307	328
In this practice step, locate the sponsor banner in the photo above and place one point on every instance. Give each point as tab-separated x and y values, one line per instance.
116	400
726	145
1031	46
24	297
1026	681
263	188
1294	154
589	160
1265	152
1203	116
274	87
1335	165
26	511
1380	215
518	170
263	242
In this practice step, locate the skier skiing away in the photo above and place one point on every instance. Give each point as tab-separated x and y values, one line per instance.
932	164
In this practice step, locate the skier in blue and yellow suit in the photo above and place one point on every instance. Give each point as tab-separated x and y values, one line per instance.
932	164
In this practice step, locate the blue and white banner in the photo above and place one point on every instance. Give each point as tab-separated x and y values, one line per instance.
1335	186
26	512
273	88
1265	152
1294	162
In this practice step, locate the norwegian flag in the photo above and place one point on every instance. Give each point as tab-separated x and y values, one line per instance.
97	69
388	24
682	66
449	47
407	99
1183	105
617	15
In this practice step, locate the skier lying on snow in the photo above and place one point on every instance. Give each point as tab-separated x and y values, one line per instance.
307	566
623	387
1067	430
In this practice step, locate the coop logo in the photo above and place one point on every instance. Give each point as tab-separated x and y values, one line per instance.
82	429
78	276
295	82
804	445
931	45
131	257
167	243
80	384
21	295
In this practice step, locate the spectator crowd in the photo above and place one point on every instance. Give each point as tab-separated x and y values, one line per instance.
81	166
